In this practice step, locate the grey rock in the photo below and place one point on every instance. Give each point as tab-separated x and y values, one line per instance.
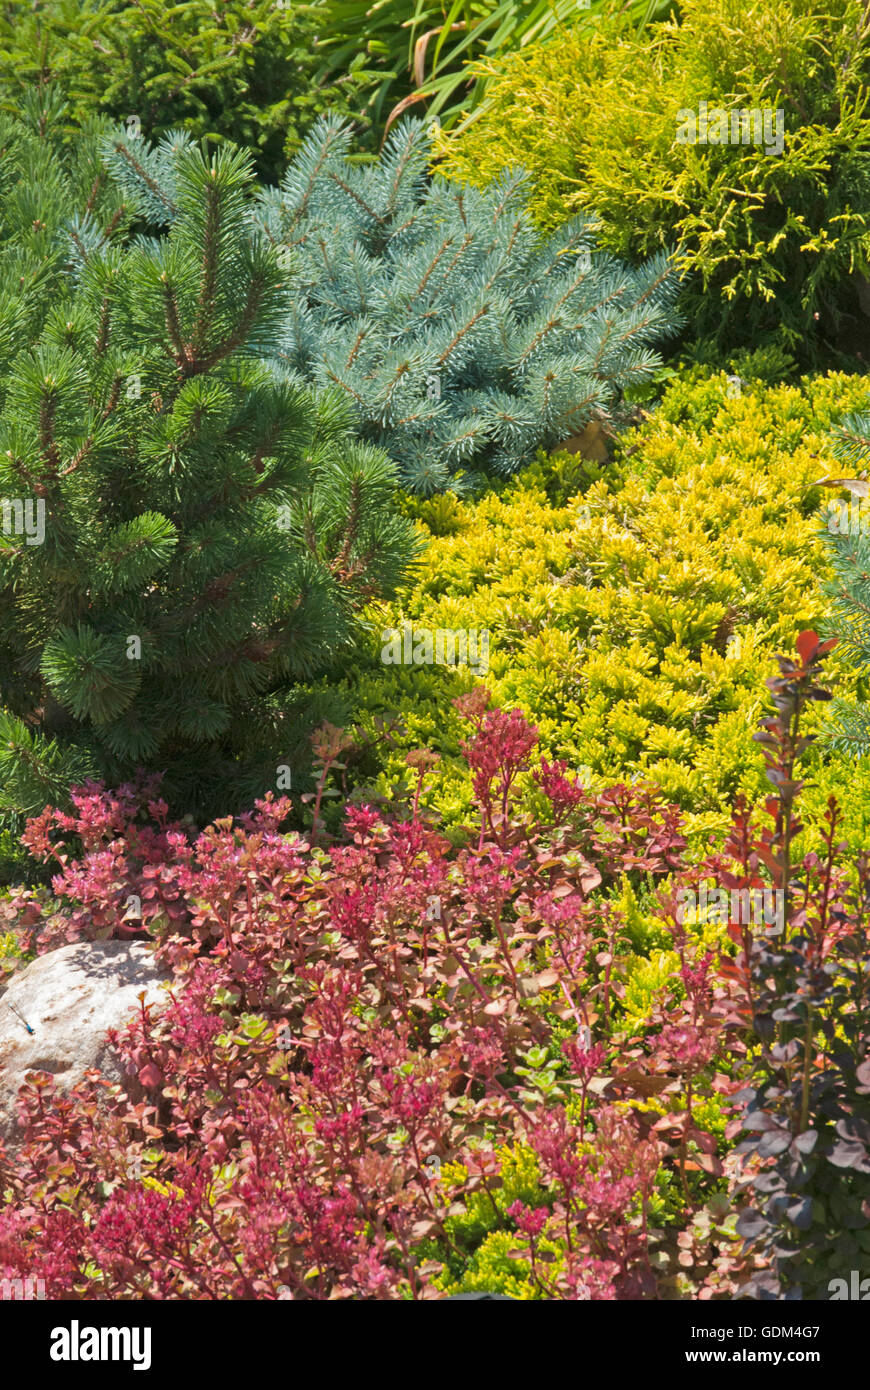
69	997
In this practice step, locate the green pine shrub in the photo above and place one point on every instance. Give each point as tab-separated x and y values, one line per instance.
244	72
187	535
777	245
630	607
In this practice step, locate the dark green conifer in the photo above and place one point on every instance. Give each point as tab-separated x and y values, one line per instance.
189	535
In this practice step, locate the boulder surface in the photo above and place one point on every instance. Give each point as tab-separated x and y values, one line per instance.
69	998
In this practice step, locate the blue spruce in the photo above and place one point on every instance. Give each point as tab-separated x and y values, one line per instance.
463	338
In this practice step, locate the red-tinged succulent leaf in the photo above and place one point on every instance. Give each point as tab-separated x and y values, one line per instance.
548	978
706	1142
421	1229
641	1081
705	1163
670	1122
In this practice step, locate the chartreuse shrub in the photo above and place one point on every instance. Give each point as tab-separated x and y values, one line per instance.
245	72
460	338
392	1068
630	607
774	234
187	536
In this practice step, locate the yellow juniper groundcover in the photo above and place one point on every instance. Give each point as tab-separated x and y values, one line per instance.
635	621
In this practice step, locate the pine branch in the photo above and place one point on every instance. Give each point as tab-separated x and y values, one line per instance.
345	386
112	224
462	333
433	264
358	342
240	333
114	397
333	134
173	325
357	197
98	183
411	148
84	452
103	330
126	154
209	275
445	279
354	507
47	441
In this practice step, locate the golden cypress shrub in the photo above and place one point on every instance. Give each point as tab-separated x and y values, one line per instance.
774	234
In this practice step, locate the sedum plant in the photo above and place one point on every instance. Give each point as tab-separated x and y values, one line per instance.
187	535
367	1037
392	1068
461	339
